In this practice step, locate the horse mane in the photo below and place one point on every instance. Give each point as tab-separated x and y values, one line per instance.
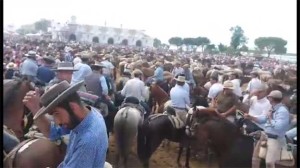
11	93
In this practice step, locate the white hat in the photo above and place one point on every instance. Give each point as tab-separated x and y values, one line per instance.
228	85
180	78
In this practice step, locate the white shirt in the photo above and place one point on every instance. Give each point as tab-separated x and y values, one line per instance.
259	107
136	88
214	90
108	67
253	84
237	89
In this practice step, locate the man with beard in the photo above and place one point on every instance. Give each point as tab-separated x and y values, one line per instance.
88	139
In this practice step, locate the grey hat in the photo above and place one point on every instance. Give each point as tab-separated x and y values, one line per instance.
98	64
55	95
49	58
31	54
275	94
65	66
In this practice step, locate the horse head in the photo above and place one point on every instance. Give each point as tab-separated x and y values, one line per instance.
13	108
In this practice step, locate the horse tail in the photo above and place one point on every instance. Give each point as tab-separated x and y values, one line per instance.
125	129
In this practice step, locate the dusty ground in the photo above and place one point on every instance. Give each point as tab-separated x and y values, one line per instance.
163	157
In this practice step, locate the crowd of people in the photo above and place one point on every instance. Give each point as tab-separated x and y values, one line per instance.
64	69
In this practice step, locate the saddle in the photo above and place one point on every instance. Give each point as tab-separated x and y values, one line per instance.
136	106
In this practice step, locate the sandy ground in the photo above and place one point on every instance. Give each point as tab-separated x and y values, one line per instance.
163	157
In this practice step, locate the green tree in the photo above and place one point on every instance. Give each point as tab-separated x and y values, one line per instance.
270	44
238	38
156	43
26	29
244	48
175	41
189	42
211	48
222	48
42	25
201	41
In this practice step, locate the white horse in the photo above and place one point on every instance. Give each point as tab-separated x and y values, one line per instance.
126	124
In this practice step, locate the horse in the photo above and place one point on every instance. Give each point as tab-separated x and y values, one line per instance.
159	96
126	124
38	152
158	127
31	152
13	108
224	138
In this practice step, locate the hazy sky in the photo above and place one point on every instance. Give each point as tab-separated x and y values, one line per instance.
166	18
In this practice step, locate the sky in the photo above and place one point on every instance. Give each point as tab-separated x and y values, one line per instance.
163	19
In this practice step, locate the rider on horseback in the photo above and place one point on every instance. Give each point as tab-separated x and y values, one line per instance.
96	84
180	98
29	67
136	88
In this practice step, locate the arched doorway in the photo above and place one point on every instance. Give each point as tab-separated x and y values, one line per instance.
72	37
95	40
125	42
110	41
138	43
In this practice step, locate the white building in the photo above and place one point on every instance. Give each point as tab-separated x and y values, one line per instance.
99	34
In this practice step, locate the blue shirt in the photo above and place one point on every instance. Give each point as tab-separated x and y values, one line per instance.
45	74
159	74
280	122
88	142
29	67
103	85
83	71
179	97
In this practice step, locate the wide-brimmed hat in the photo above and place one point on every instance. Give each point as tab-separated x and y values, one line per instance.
55	95
31	54
49	58
275	94
65	66
98	64
261	87
10	65
186	66
228	85
180	78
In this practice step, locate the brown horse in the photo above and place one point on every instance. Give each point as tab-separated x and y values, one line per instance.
35	153
159	96
13	107
223	137
32	152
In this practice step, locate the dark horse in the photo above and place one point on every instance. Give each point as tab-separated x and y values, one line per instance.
155	129
223	137
31	152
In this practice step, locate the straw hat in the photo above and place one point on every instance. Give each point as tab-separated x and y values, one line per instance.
10	65
65	66
228	85
180	78
56	94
